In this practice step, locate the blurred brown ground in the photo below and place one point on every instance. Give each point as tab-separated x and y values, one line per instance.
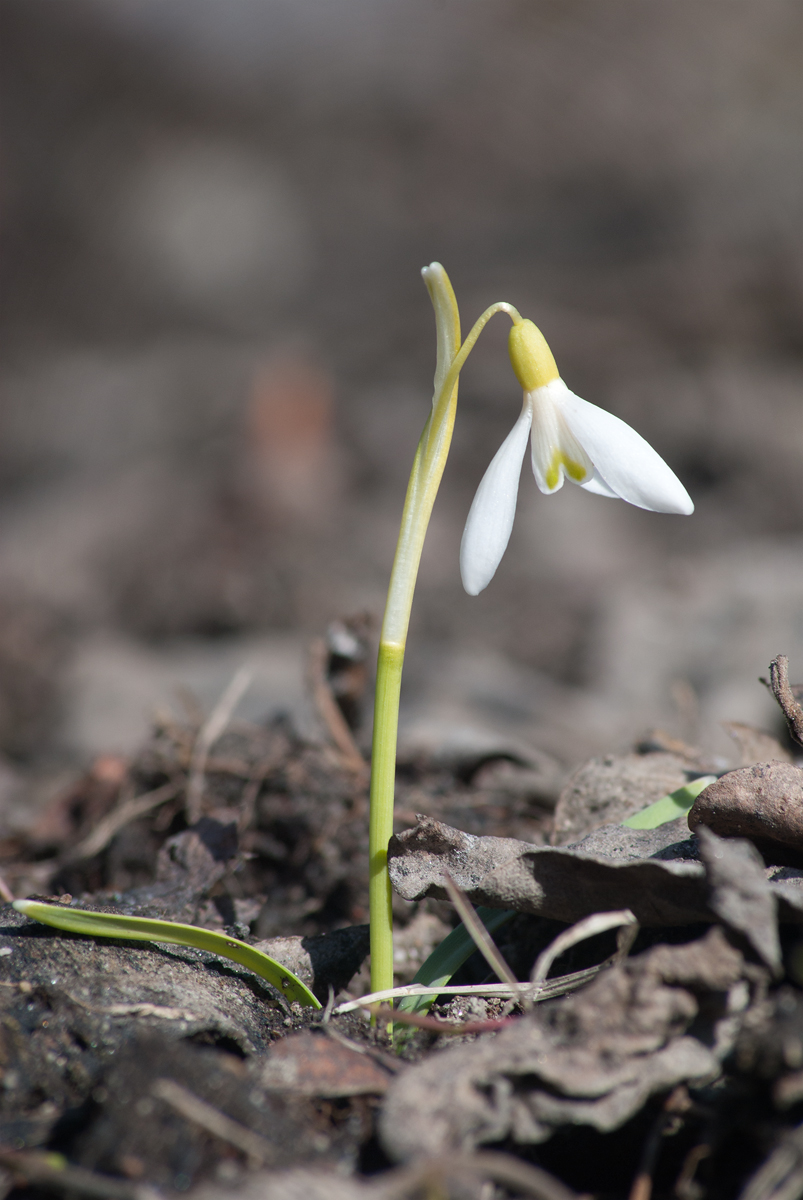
218	353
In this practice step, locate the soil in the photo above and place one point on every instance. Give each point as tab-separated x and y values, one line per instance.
152	1069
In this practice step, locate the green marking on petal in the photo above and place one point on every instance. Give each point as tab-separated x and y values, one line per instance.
574	470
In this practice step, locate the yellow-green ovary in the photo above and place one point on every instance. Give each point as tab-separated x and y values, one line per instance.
531	357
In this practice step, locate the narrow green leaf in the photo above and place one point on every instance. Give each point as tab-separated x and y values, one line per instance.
676	804
146	929
453	951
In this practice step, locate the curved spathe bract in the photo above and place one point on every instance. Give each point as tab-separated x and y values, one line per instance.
573	439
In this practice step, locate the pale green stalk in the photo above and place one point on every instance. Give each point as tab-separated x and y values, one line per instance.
425	477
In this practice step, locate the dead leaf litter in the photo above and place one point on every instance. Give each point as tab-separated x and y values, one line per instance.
155	1070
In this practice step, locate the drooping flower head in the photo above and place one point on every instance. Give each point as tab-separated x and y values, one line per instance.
570	438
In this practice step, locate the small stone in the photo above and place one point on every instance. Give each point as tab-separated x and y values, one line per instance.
763	803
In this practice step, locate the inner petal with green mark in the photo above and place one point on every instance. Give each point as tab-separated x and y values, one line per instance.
574	470
556	452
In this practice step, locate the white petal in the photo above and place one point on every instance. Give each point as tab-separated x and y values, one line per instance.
554	447
626	463
490	518
599	487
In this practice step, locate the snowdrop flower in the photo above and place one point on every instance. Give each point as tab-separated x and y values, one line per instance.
570	438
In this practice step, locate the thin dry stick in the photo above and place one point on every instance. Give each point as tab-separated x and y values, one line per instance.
782	691
137	1010
390	1016
45	1169
547	990
255	776
329	710
641	1188
676	1103
685	1187
588	927
5	891
498	990
208	734
259	1151
394	1065
479	934
501	1168
117	819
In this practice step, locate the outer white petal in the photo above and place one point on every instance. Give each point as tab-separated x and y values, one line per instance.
490	517
625	462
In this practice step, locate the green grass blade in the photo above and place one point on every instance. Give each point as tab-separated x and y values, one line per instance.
676	804
146	929
445	959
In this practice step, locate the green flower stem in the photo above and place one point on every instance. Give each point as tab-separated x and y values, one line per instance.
425	478
383	779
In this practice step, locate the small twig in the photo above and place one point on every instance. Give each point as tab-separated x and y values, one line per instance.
479	934
329	710
247	805
255	778
641	1188
394	1065
503	1169
548	990
503	990
185	1102
382	1012
52	1171
137	1010
782	691
677	1103
330	1004
5	891
685	1187
588	927
208	734
113	822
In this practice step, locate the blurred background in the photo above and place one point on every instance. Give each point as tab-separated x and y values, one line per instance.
218	355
